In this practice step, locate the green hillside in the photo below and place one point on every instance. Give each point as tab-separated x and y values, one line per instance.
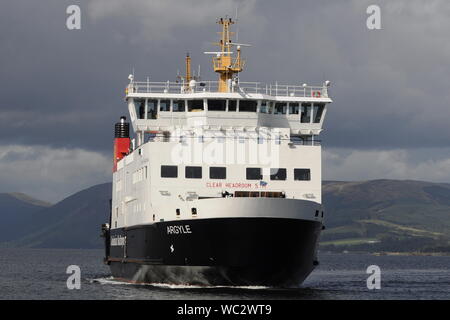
386	215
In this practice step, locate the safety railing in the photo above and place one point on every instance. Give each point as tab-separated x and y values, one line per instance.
240	87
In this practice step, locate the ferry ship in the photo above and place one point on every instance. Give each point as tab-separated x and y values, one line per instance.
221	182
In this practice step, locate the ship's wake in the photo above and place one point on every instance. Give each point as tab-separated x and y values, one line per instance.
112	281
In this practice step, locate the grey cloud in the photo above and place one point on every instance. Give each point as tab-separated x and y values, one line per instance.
64	89
51	173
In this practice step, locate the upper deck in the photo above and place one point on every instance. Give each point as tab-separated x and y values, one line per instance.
153	89
163	106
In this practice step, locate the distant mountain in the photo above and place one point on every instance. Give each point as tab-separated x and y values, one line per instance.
16	209
376	216
72	223
386	215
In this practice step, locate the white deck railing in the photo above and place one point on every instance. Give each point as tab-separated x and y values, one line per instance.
243	87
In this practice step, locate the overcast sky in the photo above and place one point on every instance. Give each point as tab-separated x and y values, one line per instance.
62	90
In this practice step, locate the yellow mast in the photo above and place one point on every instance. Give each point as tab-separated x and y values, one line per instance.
188	68
224	63
188	71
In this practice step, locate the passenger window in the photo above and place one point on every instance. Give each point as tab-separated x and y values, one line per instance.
178	106
302	174
193	172
318	111
164	105
140	108
278	174
149	136
241	194
232	105
169	171
217	105
306	113
269	194
254	174
293	107
195	105
247	105
217	172
280	108
152	109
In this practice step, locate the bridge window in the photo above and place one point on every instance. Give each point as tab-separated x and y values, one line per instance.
195	105
169	171
306	113
278	174
280	108
217	105
264	108
232	105
193	172
302	174
293	108
317	112
254	174
270	107
178	106
247	105
164	105
217	172
152	106
140	108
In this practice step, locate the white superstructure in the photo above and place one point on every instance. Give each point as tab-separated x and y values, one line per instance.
253	127
221	150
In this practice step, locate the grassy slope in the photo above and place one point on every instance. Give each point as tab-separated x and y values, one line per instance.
401	215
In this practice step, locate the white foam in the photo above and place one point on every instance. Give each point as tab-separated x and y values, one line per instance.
111	280
188	286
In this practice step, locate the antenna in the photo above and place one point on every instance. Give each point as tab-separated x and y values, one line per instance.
237	27
218	53
237	38
240	44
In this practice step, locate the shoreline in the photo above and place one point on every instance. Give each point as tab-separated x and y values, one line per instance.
391	253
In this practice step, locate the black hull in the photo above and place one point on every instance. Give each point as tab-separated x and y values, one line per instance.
224	251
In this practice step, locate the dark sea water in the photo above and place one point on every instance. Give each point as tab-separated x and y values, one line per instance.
41	274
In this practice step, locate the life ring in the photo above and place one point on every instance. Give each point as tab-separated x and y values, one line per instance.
316	94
